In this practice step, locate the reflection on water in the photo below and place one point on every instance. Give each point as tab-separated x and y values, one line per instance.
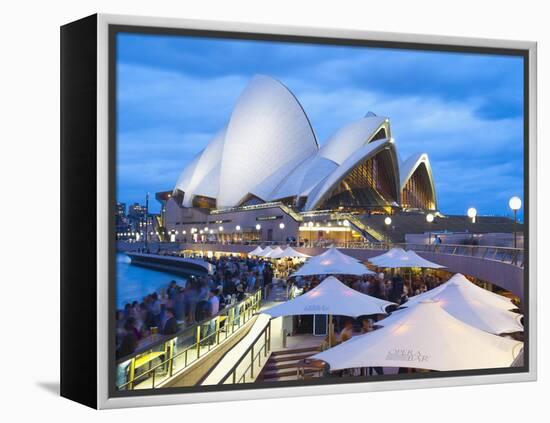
135	282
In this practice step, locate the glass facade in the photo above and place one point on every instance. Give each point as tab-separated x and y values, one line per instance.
371	184
417	192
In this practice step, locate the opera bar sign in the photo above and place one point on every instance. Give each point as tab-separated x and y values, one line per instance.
407	355
316	308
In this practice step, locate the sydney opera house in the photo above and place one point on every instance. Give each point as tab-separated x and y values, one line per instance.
268	155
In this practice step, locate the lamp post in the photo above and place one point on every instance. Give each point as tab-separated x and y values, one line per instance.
220	230
238	229
346	224
429	219
387	221
472	213
146	222
258	228
282	228
515	205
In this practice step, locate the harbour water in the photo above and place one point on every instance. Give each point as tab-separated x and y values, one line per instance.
135	282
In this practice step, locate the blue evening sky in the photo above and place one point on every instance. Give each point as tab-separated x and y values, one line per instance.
465	110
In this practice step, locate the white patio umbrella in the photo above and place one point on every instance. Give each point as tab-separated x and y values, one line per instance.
256	251
473	291
331	297
399	258
265	251
388	255
273	253
461	303
333	262
290	252
426	338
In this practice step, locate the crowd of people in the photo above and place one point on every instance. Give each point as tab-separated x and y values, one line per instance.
193	300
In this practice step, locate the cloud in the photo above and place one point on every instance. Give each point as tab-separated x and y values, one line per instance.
464	110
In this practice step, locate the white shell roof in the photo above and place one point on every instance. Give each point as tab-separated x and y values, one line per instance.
267	130
351	137
304	177
186	175
204	173
269	150
341	171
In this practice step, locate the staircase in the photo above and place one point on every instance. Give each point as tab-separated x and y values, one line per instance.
283	365
369	233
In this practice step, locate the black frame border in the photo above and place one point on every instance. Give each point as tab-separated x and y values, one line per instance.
115	29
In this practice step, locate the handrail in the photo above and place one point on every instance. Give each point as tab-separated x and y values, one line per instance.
296	216
359	224
265	348
170	343
514	256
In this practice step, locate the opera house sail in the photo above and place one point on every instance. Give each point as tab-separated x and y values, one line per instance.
268	152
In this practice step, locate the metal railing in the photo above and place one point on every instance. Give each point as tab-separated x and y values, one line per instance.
509	255
249	366
171	355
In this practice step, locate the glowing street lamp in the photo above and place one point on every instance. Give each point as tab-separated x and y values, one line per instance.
472	213
282	227
429	219
387	222
515	205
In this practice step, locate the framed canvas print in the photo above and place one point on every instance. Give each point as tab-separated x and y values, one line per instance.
254	211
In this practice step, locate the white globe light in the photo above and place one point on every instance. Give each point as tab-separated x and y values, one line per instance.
206	229
183	232
429	218
472	212
387	220
515	203
258	227
346	222
238	228
220	229
310	224
281	225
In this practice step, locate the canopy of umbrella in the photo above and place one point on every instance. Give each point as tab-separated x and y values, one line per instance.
273	253
426	337
331	297
469	303
291	253
480	294
399	258
333	262
256	251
